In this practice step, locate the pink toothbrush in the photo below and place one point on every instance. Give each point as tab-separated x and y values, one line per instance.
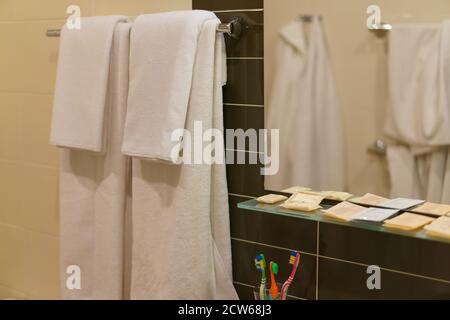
294	260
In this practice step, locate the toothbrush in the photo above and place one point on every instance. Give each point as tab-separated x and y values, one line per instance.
260	263
274	293
294	260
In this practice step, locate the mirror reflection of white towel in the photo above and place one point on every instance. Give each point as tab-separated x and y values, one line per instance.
303	104
419	113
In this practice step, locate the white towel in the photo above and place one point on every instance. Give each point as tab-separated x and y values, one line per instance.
181	236
419	113
304	106
163	49
82	84
93	195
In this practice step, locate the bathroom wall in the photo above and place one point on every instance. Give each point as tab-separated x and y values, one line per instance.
28	165
359	61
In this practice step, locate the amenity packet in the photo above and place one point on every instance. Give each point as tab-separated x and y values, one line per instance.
401	203
296	189
375	214
435	209
344	211
408	222
369	199
303	202
439	228
271	198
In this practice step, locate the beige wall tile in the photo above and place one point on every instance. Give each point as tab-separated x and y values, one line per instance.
29	262
10	186
35	130
13	10
43	263
27	57
10	112
39	206
29	197
138	7
14	253
25	128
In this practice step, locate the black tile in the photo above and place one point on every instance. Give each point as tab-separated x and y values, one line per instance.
251	41
244	292
244	179
341	280
245	84
244	118
417	256
227	4
280	231
244	270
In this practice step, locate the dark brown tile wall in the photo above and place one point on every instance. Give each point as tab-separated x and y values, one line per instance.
411	268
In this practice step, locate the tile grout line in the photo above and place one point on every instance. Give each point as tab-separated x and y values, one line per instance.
245	151
245	58
271	246
388	269
29	230
28	164
317	260
239	10
243	105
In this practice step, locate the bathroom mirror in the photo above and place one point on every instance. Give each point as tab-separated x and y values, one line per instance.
337	80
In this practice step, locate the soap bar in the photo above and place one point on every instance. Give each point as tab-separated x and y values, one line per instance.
439	228
296	189
303	202
344	211
408	222
370	199
435	209
271	198
401	203
375	214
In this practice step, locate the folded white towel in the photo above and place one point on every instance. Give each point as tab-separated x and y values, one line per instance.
163	50
82	84
181	234
93	196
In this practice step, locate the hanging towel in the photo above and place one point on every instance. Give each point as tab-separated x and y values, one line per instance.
419	112
82	83
181	230
304	106
163	48
93	193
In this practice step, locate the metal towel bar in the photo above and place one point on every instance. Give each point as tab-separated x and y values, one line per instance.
232	28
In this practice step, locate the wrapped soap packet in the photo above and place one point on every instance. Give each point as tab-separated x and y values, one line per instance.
375	214
296	189
303	202
344	211
271	199
435	209
369	199
439	228
337	195
408	222
401	203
